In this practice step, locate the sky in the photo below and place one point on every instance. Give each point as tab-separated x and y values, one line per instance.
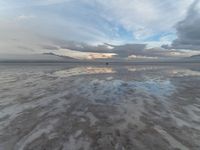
95	29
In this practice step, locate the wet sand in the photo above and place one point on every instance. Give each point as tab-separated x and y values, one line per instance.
99	107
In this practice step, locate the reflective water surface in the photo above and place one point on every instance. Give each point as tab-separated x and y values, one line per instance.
99	107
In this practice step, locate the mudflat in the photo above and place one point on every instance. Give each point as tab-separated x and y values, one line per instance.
99	107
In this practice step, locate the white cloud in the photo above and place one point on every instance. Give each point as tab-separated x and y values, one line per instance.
25	17
15	39
97	21
49	2
145	17
83	55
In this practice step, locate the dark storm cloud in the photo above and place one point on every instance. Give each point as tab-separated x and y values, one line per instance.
188	30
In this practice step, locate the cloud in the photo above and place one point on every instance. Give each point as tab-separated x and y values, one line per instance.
188	30
130	51
99	21
15	4
50	25
15	39
121	50
145	18
49	2
82	46
83	55
25	17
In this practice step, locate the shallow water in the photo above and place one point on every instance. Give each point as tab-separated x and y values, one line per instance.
98	107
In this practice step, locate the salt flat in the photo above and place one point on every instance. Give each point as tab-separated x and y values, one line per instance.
99	107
